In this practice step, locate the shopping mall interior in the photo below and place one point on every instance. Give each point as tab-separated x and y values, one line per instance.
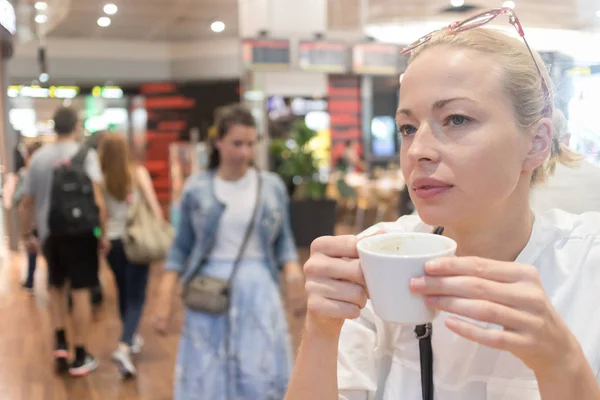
160	72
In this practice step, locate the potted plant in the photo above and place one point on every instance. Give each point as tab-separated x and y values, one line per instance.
311	213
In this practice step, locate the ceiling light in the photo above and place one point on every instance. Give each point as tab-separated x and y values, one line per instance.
217	26
44	77
111	9
41	19
104	22
41	5
509	4
457	3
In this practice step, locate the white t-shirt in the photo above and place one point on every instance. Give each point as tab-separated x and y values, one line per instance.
575	190
239	198
378	360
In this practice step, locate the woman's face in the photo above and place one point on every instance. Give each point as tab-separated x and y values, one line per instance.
462	154
237	146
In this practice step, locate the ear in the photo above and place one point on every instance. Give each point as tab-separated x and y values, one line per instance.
541	145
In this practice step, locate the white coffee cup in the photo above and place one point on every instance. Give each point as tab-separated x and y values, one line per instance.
389	261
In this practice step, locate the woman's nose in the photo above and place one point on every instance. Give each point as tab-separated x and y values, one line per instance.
423	146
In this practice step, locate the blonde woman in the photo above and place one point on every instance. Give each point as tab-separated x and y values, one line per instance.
124	183
517	303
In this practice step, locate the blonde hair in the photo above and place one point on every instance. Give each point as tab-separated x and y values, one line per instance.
116	165
522	82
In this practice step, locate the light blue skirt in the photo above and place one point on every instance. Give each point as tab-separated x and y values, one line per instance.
259	364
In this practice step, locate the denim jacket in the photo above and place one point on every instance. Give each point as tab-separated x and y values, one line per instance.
201	211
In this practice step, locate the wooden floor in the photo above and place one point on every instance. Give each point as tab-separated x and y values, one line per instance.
26	340
26	343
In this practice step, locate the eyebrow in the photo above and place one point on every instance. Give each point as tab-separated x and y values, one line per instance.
436	106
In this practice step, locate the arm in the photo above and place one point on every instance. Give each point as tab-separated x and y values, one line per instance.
99	198
26	214
315	374
336	292
185	238
285	247
92	168
574	380
27	206
175	265
8	191
145	184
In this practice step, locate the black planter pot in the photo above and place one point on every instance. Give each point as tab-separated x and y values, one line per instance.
311	219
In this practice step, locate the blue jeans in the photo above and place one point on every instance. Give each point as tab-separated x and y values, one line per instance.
131	280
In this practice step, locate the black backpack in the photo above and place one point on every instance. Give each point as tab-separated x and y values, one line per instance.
73	208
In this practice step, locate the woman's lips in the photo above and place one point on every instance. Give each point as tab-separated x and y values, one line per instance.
428	188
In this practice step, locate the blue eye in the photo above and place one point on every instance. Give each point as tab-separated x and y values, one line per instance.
407	130
457	120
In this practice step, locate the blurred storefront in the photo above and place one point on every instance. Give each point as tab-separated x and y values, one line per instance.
102	108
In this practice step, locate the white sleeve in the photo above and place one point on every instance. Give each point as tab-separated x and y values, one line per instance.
361	346
92	166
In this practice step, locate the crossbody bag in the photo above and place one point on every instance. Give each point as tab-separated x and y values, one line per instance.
212	295
423	333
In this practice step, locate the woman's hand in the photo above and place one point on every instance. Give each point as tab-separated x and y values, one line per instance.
502	293
104	246
294	288
335	285
162	315
164	304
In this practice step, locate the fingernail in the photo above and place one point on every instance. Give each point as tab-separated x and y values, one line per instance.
417	283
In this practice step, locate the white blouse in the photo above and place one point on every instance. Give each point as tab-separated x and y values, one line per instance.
239	198
380	361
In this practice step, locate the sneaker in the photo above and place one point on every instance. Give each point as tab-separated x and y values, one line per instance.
138	343
83	368
28	288
123	361
61	359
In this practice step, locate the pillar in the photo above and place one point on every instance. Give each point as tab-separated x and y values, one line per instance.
9	218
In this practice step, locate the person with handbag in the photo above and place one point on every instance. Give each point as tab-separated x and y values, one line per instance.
516	304
126	184
232	240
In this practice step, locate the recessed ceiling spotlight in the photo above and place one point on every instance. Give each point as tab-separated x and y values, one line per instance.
44	77
509	4
217	26
41	5
111	9
41	19
104	22
457	3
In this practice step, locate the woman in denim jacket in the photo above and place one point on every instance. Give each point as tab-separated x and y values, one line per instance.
216	207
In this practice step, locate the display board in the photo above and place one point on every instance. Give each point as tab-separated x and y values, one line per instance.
266	53
323	56
345	114
375	59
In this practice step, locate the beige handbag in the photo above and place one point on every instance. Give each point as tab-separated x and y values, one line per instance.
147	238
